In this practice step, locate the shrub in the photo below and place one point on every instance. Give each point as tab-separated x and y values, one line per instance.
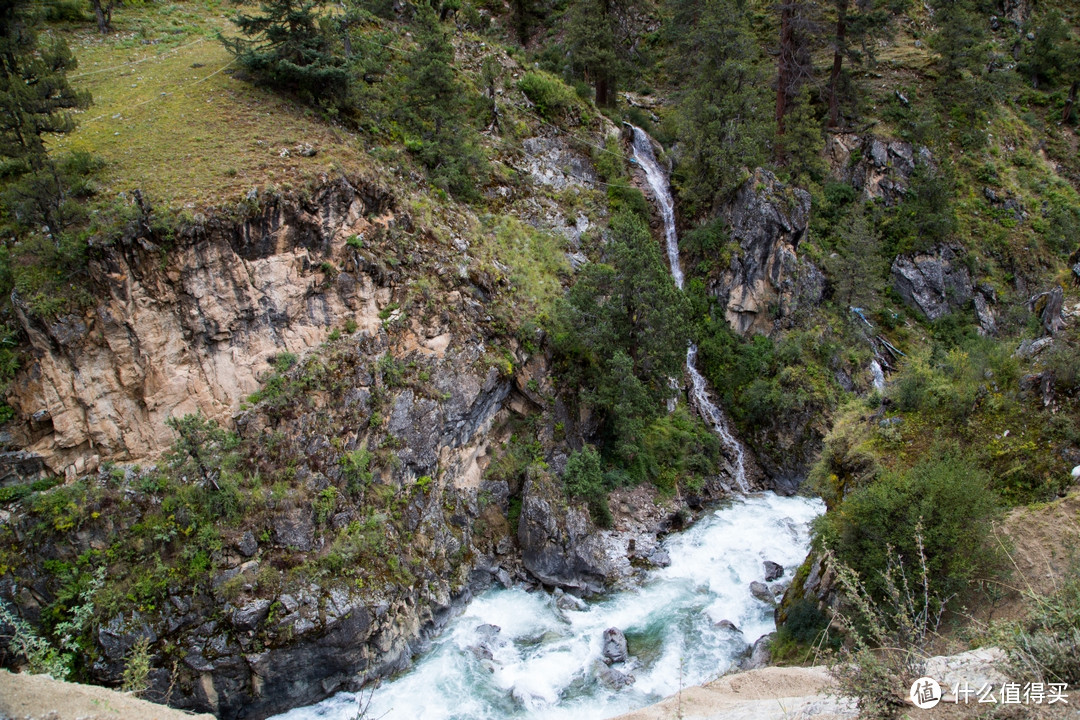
552	97
584	478
1048	650
890	634
947	495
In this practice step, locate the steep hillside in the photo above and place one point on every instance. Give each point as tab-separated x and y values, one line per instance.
313	331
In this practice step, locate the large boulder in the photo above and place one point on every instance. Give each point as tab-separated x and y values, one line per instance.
766	280
559	544
615	650
933	282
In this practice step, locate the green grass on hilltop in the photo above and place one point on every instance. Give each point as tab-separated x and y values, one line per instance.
170	120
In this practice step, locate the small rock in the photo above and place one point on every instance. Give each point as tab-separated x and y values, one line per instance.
488	630
728	625
614	646
247	544
566	601
481	652
773	571
762	592
249	616
614	679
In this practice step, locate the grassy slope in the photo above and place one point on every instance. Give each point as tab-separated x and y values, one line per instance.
171	120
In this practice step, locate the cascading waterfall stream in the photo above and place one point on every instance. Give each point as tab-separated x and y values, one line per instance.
517	654
699	390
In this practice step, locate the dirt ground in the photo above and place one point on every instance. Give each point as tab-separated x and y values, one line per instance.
39	697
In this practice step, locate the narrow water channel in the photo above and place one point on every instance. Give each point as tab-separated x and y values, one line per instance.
543	661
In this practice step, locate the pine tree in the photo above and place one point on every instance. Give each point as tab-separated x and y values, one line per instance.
35	102
435	107
804	141
285	48
593	36
35	96
723	108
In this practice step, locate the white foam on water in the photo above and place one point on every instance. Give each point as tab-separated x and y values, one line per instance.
544	660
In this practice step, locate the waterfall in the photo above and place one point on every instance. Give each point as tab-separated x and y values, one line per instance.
878	374
699	392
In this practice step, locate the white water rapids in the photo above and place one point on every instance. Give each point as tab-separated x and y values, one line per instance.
699	390
544	662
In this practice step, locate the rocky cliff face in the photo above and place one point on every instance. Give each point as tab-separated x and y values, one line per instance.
767	281
189	327
880	168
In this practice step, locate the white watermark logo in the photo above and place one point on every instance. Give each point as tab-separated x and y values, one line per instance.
925	693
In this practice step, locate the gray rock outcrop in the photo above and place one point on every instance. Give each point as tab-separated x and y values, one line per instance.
935	282
615	650
879	168
767	280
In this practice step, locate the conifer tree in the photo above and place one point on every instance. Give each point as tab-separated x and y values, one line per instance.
36	101
595	45
284	47
723	107
35	97
435	107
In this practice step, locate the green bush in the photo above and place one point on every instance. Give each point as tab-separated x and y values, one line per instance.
952	499
584	478
553	98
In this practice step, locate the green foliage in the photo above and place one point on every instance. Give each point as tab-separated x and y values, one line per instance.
35	97
433	111
54	659
584	478
202	449
324	504
135	679
622	195
622	332
355	467
803	140
593	36
723	108
760	381
952	500
1054	56
1048	648
858	267
925	218
285	48
552	97
890	634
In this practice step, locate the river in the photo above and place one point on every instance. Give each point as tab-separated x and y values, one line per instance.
515	654
544	660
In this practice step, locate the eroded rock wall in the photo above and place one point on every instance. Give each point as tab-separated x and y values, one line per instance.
189	326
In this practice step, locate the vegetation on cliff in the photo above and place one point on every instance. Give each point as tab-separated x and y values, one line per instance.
918	212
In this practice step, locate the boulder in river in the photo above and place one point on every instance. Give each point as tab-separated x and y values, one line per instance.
759	656
614	646
762	592
773	571
614	679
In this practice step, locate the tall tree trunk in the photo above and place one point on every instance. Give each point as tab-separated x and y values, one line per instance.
837	62
603	89
1070	102
783	70
103	13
